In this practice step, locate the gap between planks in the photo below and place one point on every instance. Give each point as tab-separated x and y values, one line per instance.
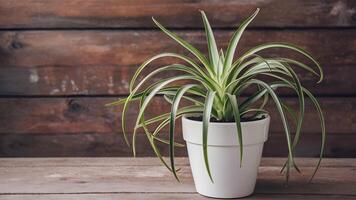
152	161
109	196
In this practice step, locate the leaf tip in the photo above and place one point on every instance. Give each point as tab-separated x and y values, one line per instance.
211	178
320	79
155	21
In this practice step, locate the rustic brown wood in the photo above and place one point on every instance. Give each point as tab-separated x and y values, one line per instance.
162	196
103	42
149	161
109	144
88	115
137	13
103	62
84	127
129	179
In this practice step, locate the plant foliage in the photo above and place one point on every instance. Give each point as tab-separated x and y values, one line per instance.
215	86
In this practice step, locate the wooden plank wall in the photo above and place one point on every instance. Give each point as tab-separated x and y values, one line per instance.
62	60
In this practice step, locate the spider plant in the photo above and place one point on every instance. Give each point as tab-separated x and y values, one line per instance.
216	85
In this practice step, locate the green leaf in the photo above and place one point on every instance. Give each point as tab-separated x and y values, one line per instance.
302	65
138	96
252	99
183	111
150	137
258	111
321	118
164	141
147	100
298	88
235	39
322	125
282	115
213	50
133	93
282	45
299	120
187	46
196	68
219	84
294	116
170	95
221	64
235	108
177	67
206	120
174	109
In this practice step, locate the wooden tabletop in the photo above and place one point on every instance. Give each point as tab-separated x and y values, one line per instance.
145	178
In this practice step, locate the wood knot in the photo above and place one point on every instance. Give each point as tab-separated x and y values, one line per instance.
74	106
16	45
353	17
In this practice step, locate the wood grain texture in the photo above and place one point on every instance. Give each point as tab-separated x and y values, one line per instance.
128	178
111	144
173	13
103	62
84	127
150	161
62	60
162	196
88	115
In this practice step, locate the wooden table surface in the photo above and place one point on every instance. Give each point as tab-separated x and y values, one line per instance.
145	178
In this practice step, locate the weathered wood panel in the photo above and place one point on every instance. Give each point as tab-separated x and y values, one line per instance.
84	127
88	115
112	144
137	13
163	196
151	161
103	62
103	42
89	179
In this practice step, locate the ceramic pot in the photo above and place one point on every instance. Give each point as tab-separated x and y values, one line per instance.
230	180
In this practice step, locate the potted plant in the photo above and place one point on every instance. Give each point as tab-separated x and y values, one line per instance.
224	131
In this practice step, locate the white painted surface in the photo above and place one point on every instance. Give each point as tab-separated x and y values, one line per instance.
230	180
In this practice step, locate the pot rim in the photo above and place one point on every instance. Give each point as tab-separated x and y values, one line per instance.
185	117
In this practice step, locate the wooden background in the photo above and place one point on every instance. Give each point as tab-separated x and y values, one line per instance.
62	60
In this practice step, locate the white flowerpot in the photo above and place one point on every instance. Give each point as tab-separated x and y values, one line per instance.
230	180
